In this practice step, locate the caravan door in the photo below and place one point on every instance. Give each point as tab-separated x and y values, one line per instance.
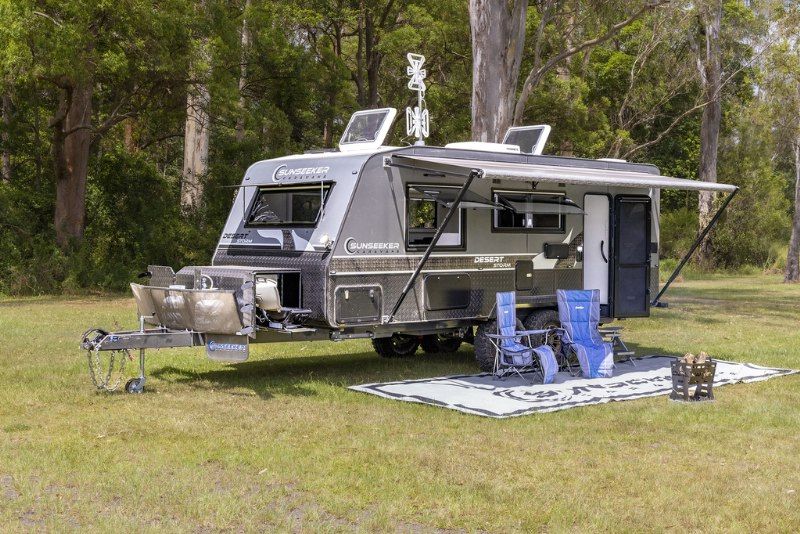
596	247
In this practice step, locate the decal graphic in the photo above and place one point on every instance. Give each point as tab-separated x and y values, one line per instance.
230	347
284	172
493	261
351	246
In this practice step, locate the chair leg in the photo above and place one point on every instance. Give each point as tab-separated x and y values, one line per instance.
565	361
538	370
496	367
617	341
516	370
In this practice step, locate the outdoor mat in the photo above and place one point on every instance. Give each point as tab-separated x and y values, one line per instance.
485	395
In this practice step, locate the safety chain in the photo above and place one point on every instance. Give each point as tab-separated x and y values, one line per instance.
100	378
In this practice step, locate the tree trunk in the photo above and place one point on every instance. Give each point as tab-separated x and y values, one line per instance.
128	140
566	148
196	140
327	132
72	139
358	75
243	75
498	37
5	166
373	60
710	68
195	149
793	258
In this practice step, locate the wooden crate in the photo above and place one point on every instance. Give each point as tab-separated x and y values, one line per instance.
693	381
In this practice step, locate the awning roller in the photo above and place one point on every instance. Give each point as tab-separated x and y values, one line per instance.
553	174
447	195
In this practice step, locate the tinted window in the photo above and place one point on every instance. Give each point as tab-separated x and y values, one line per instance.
423	218
288	206
529	211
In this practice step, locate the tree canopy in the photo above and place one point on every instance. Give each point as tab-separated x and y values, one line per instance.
100	100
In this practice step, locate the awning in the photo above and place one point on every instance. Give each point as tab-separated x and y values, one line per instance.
525	172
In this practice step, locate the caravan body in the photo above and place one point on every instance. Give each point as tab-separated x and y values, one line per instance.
349	268
405	244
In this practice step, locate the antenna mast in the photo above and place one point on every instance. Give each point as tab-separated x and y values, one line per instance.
417	119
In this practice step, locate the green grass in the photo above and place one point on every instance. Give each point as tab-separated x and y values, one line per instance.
278	443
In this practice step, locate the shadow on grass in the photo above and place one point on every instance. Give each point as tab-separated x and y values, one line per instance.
299	376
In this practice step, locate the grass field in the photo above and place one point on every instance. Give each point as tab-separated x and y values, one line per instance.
278	443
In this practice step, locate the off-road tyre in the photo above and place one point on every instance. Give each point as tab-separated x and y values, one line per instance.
469	336
397	346
484	350
542	320
434	344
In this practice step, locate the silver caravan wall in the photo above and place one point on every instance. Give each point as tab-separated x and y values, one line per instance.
338	170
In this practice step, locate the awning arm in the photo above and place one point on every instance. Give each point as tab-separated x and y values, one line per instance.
439	231
656	301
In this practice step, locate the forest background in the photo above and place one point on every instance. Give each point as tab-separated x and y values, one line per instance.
125	123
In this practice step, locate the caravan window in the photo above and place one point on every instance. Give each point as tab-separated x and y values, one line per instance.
423	216
288	206
532	211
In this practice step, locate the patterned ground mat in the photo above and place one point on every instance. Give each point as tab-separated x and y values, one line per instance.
482	394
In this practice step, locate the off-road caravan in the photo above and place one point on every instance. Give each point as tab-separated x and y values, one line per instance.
408	246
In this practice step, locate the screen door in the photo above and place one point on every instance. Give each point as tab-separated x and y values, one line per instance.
632	256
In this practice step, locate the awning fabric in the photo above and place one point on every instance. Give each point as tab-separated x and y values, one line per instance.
551	207
554	174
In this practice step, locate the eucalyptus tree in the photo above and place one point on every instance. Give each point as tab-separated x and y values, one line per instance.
559	31
99	63
781	91
709	66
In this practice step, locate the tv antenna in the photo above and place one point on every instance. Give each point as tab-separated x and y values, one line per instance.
417	119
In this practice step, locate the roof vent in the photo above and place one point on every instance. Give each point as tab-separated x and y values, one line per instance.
367	129
530	139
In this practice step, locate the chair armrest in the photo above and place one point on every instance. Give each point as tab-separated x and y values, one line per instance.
558	330
612	331
564	335
533	332
500	336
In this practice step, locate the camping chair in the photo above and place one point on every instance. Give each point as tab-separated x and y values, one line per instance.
579	313
511	355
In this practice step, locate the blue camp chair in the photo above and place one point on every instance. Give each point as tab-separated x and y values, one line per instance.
511	354
579	313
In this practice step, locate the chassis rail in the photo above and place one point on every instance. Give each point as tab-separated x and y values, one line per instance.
152	338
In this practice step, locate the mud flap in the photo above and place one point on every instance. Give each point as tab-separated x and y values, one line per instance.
227	348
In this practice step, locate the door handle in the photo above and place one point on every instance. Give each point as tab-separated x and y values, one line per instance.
603	252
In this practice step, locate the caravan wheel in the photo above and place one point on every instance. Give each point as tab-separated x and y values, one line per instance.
397	346
484	350
542	320
436	343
